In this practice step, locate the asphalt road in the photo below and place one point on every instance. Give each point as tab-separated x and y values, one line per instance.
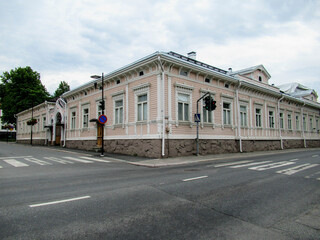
50	193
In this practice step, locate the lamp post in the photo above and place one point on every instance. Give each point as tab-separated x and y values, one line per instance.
102	104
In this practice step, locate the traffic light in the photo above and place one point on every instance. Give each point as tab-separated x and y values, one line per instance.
101	105
207	103
210	104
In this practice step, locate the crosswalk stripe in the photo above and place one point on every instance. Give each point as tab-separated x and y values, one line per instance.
37	161
249	164
15	163
95	159
58	160
78	160
296	169
230	164
272	165
293	160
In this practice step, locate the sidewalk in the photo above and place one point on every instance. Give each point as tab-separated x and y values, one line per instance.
207	158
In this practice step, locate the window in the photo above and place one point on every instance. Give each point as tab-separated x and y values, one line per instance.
44	119
289	122
73	120
311	124
226	85
207	115
297	123
85	118
226	113
243	116
281	121
183	107
317	124
142	108
271	119
118	111
207	80
304	123
118	81
258	117
260	79
183	72
99	109
141	73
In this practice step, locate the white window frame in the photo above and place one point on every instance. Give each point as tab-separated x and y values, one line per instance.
226	112
258	116
311	124
243	116
271	119
281	120
304	122
73	119
298	122
85	116
186	116
289	117
141	90
117	110
187	90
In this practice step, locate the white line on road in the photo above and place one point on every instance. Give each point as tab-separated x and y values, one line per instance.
272	165
1	167
60	201
95	159
315	156
58	160
15	163
15	157
195	178
78	160
296	169
292	160
230	164
249	164
37	161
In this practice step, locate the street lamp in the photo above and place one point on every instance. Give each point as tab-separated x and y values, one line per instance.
102	108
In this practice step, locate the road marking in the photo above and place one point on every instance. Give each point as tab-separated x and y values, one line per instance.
78	160
15	157
1	167
292	160
272	165
315	156
296	169
195	178
60	201
311	175
15	163
249	164
58	160
95	159
37	161
229	164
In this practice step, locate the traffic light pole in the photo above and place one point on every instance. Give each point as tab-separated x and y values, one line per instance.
199	119
103	106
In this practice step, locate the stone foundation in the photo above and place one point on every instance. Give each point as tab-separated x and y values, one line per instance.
182	147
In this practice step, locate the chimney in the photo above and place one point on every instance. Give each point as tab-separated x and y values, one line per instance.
230	70
192	55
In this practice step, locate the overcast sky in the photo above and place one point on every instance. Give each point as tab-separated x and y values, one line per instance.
67	40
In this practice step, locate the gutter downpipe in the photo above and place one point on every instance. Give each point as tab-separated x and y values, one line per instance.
239	116
162	108
302	126
281	140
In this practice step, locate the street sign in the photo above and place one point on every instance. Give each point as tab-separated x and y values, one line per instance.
102	119
197	117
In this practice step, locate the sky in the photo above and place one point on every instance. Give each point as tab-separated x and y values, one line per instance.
67	40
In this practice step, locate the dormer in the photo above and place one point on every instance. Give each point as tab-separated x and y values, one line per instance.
256	73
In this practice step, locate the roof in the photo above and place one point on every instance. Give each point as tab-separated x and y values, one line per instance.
250	70
297	90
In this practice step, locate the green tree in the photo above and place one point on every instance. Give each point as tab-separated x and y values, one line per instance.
63	87
20	89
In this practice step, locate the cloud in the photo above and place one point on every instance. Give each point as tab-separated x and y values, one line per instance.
69	40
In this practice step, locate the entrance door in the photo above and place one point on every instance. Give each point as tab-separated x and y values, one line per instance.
58	135
99	135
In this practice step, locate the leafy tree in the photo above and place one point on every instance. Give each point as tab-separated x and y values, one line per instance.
20	89
63	87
